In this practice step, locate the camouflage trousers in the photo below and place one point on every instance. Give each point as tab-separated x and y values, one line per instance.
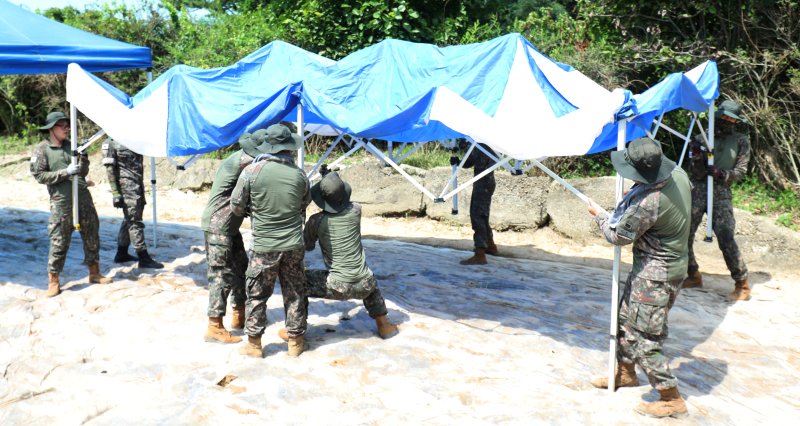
319	284
723	224
262	271
480	205
131	230
227	262
643	327
60	227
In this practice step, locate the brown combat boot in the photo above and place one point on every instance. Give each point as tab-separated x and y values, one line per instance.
492	248
95	277
53	286
479	258
283	334
252	347
237	317
625	377
670	405
741	292
216	332
693	280
296	345
385	328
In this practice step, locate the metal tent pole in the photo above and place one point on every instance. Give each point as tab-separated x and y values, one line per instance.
612	335
153	183
710	179
73	135
301	153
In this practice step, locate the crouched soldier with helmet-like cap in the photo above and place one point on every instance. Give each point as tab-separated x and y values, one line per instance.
125	170
51	165
731	155
338	229
276	193
654	217
225	253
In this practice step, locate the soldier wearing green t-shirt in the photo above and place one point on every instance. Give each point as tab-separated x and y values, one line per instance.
338	229
225	253
275	192
654	217
51	165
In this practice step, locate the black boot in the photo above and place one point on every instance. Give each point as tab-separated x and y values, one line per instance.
145	261
122	255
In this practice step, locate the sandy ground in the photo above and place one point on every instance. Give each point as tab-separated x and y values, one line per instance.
512	342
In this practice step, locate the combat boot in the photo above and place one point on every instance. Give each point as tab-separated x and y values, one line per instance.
296	345
385	328
625	377
216	332
479	258
252	347
53	286
492	248
95	277
693	280
145	261
122	255
283	334
237	317
741	292
671	404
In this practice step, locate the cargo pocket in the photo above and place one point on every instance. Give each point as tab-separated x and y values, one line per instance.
648	310
218	256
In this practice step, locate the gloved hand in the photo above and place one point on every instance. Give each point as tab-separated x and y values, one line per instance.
73	169
119	202
454	160
715	173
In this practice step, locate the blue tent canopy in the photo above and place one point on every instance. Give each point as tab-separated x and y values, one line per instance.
33	44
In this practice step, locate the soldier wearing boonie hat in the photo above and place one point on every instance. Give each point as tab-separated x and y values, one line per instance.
51	165
731	155
653	217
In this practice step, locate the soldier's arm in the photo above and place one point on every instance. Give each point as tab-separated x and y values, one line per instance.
40	169
470	162
240	199
740	167
636	220
83	162
311	231
697	160
306	198
110	162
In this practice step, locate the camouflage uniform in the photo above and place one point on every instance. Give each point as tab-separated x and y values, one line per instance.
347	275
731	155
225	253
480	204
655	218
276	193
49	167
125	170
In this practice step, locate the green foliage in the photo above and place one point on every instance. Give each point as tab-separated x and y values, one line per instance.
428	156
751	195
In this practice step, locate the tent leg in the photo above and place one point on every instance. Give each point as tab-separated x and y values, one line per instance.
710	179
301	153
612	335
73	134
153	189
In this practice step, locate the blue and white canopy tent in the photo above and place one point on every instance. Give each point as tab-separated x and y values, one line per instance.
502	92
33	44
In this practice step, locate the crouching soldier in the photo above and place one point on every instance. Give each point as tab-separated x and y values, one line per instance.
338	229
276	193
51	165
126	177
654	216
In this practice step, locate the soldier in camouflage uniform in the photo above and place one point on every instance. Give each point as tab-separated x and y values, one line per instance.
125	170
731	155
51	166
347	275
654	216
225	252
275	192
480	206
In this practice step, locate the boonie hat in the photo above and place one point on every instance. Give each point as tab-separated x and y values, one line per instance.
731	109
642	161
52	119
331	194
278	138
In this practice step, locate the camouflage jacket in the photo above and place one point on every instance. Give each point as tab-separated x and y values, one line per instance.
49	167
481	162
125	169
731	155
218	218
656	219
339	236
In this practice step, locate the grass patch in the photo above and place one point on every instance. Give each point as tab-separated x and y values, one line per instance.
428	156
784	206
15	145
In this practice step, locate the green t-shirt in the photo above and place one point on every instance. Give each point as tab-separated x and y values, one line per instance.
49	167
217	216
339	236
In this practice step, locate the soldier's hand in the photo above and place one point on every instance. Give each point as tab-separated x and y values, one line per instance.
119	202
715	172
73	169
454	160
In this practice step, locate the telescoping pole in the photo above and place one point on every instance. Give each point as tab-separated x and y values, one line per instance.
153	183
301	153
73	136
612	335
709	178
